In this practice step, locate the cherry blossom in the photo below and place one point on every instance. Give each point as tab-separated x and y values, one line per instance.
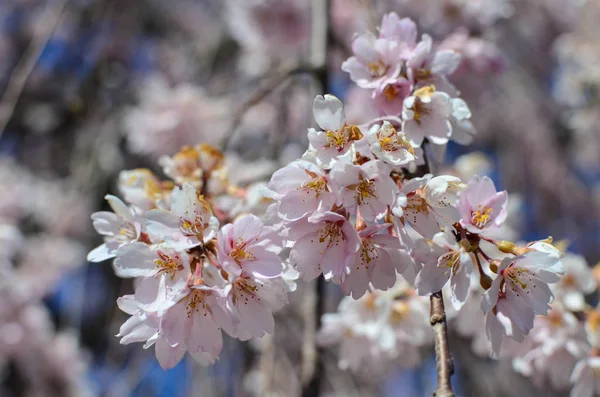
187	224
119	228
426	114
453	263
520	292
324	244
337	137
376	61
366	188
379	257
247	246
301	188
390	145
481	206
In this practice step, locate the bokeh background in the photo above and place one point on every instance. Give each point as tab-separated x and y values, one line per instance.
92	87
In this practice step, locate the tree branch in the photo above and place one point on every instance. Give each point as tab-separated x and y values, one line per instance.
445	368
27	63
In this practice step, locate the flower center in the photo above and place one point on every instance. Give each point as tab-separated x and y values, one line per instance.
239	254
390	92
317	185
450	260
515	275
331	234
368	253
167	264
364	189
195	302
391	141
377	69
481	216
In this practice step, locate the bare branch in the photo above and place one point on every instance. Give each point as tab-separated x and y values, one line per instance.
25	66
445	368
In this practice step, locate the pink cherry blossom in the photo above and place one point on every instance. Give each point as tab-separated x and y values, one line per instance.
402	31
119	228
251	301
301	189
390	145
367	188
376	61
389	98
187	224
520	292
249	246
481	207
376	262
426	66
139	260
454	264
324	244
195	322
337	137
426	114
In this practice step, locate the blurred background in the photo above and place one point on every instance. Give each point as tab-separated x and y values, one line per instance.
92	87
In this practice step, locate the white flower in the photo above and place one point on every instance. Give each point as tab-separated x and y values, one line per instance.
119	228
189	222
337	137
389	145
366	188
426	114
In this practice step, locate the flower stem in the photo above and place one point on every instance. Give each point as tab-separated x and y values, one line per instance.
445	368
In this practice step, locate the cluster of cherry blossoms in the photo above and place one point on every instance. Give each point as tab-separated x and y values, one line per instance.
363	209
198	271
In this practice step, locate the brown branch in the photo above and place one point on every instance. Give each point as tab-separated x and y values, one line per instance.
26	64
445	368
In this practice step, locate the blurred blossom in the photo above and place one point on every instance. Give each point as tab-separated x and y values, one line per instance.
170	117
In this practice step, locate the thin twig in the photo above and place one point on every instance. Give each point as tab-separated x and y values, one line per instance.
269	85
26	64
445	368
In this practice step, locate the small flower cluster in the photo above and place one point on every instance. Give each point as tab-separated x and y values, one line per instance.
409	78
352	212
195	278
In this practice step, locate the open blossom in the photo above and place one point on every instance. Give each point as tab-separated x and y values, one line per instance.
325	244
520	292
401	31
454	263
375	61
367	188
377	260
390	145
249	246
427	66
337	137
189	222
251	301
119	228
195	322
481	207
389	98
141	188
301	188
139	260
428	203
426	114
463	130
